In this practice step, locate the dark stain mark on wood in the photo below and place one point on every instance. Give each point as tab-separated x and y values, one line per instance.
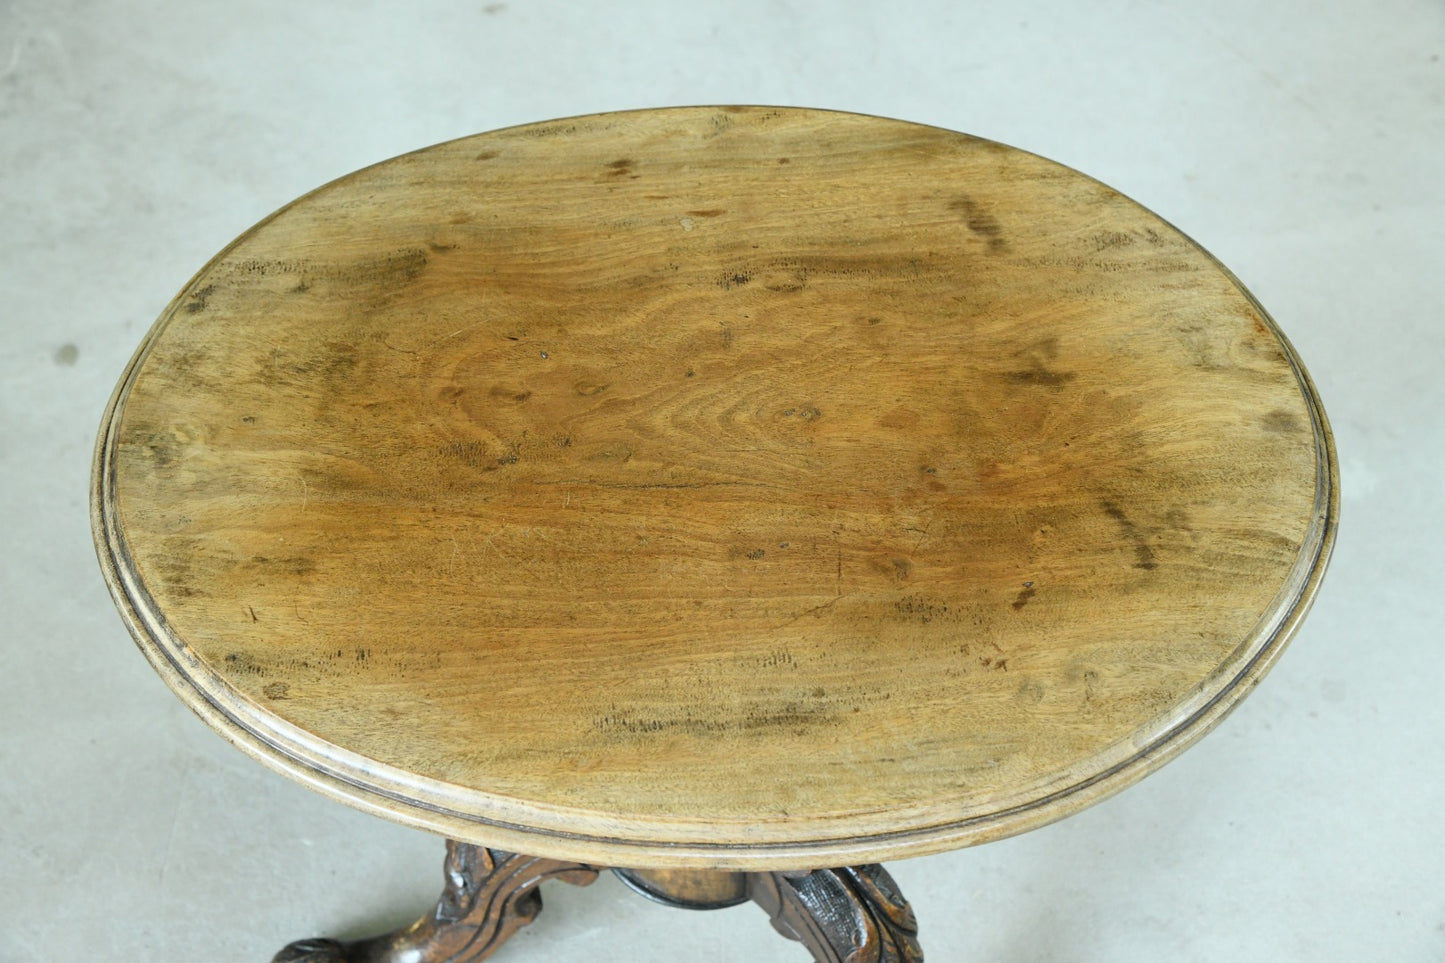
539	131
516	395
243	664
1281	422
1041	376
486	155
381	270
980	222
622	167
796	716
1108	239
436	248
1024	596
1143	552
708	212
787	275
393	269
916	608
902	569
176	574
159	447
199	299
250	610
1038	372
778	659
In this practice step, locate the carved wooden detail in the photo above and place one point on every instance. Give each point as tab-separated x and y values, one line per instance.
489	895
851	915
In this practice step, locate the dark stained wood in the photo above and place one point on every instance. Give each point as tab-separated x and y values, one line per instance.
715	488
488	896
854	915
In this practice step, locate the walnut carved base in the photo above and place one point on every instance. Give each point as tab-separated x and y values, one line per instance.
851	915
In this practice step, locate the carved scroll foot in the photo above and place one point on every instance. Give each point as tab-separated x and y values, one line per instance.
488	896
852	915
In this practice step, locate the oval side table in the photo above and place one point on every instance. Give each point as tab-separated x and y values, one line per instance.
733	496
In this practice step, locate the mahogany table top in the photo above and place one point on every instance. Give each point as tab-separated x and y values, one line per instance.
739	487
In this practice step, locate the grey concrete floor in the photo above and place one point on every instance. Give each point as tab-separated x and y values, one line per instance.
1301	142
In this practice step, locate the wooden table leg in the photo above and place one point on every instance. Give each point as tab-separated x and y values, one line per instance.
850	915
489	895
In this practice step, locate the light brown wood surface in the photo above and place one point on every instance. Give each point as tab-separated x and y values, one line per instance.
715	487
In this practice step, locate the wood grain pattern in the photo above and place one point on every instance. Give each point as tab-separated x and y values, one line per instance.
747	488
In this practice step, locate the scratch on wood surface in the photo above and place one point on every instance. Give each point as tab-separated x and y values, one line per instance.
459	331
816	610
922	535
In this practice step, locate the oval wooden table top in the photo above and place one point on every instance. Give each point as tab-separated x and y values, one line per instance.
747	488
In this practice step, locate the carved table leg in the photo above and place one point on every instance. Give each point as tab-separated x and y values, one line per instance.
852	915
489	894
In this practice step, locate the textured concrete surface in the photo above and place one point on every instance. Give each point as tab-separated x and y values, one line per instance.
1300	143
